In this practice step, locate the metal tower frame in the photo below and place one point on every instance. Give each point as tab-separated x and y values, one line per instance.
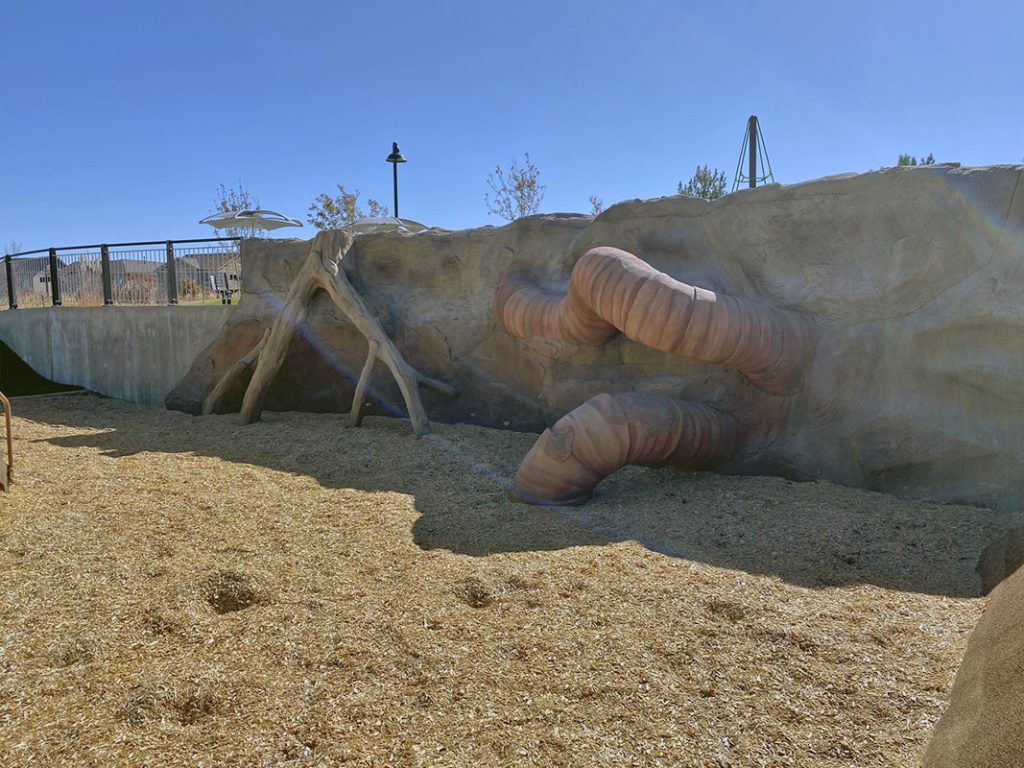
755	152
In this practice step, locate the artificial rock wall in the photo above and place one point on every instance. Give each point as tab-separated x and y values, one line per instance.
913	278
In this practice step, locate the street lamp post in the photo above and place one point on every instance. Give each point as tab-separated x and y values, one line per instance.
395	158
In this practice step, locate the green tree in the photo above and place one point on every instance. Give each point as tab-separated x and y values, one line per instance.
328	212
517	191
707	183
911	160
232	199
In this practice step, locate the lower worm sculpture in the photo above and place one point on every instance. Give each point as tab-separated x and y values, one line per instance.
612	291
609	431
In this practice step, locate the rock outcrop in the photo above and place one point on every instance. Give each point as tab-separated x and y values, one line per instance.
1000	559
983	726
912	277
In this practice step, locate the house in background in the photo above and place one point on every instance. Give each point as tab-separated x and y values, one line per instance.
136	281
41	283
201	275
124	271
82	281
187	269
65	272
26	274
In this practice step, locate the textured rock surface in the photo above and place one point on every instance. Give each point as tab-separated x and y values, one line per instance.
984	724
1000	559
913	277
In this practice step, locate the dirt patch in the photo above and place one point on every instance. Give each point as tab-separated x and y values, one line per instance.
727	608
230	591
159	623
76	650
187	703
475	592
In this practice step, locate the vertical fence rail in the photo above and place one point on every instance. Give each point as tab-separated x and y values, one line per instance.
54	278
108	288
12	298
172	275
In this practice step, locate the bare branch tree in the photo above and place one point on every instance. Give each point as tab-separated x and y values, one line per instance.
516	191
596	205
231	199
328	212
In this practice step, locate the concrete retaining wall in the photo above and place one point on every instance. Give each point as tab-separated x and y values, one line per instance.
131	353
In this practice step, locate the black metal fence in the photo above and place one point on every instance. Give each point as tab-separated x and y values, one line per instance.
197	271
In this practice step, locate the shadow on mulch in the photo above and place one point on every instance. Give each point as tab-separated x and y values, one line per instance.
18	379
814	535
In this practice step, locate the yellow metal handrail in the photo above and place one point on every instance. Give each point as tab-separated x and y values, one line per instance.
10	443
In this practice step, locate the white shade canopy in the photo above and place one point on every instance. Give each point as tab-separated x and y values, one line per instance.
260	219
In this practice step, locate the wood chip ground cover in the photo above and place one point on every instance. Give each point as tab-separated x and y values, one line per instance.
188	591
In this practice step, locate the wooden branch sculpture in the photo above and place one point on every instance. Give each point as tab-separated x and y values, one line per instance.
322	272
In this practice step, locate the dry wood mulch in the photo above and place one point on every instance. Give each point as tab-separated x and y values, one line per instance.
187	591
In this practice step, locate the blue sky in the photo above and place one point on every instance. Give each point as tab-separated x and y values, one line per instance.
120	119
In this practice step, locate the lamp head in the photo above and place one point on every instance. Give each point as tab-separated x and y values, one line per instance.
395	156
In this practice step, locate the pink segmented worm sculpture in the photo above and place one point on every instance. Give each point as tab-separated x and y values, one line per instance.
612	291
609	431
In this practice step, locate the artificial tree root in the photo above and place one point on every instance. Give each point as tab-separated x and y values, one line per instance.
355	415
241	368
322	272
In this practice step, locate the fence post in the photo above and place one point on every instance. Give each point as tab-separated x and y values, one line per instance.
172	275
12	301
108	288
54	278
